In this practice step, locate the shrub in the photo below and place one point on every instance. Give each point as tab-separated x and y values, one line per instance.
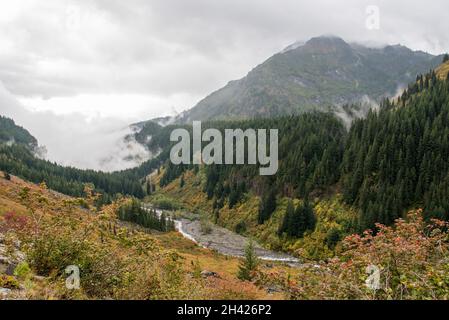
8	282
14	221
240	228
412	257
22	271
205	226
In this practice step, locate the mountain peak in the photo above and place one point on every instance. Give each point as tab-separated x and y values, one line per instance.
325	71
326	44
326	38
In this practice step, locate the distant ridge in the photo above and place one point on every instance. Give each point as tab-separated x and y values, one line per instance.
319	74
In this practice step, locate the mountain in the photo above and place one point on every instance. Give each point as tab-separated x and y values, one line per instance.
11	133
322	73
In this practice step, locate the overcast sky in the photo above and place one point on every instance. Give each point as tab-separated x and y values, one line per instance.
136	59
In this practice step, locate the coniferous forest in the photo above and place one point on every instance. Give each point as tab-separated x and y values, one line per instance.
393	160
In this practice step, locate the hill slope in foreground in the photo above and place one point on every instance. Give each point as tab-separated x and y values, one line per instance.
116	260
43	232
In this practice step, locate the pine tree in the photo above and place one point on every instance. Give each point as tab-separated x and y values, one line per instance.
234	196
250	263
7	176
182	182
288	217
301	221
446	58
267	206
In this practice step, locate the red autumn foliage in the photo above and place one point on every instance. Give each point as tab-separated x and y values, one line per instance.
14	222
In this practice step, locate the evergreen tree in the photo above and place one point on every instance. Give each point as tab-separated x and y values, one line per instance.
297	222
7	176
446	58
288	218
182	182
267	206
250	263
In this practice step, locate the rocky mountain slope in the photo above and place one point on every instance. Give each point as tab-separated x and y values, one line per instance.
318	75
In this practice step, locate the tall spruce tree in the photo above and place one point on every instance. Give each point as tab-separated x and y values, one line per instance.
267	206
249	264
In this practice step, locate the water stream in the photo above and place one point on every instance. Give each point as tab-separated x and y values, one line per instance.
225	241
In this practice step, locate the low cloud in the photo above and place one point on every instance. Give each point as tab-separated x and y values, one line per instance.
78	72
73	140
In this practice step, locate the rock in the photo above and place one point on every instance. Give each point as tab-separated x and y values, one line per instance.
10	269
4	260
19	256
39	278
4	293
273	289
7	266
4	264
209	274
17	244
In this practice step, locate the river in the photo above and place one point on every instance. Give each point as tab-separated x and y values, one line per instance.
225	241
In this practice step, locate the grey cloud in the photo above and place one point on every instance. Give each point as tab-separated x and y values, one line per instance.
164	47
73	141
167	49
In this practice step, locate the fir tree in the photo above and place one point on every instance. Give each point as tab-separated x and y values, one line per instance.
267	206
288	218
250	263
445	58
7	176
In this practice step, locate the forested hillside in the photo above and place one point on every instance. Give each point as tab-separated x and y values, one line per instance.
11	133
19	161
17	157
394	160
398	157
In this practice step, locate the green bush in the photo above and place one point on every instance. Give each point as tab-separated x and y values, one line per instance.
101	271
240	228
165	203
22	271
8	282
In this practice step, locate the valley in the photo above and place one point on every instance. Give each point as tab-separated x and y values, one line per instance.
344	197
223	240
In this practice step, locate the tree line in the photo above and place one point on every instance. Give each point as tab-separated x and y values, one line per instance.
148	218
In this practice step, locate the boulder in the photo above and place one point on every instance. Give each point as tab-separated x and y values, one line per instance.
4	264
4	293
209	274
273	289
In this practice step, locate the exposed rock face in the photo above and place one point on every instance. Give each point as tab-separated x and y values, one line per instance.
10	257
323	72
